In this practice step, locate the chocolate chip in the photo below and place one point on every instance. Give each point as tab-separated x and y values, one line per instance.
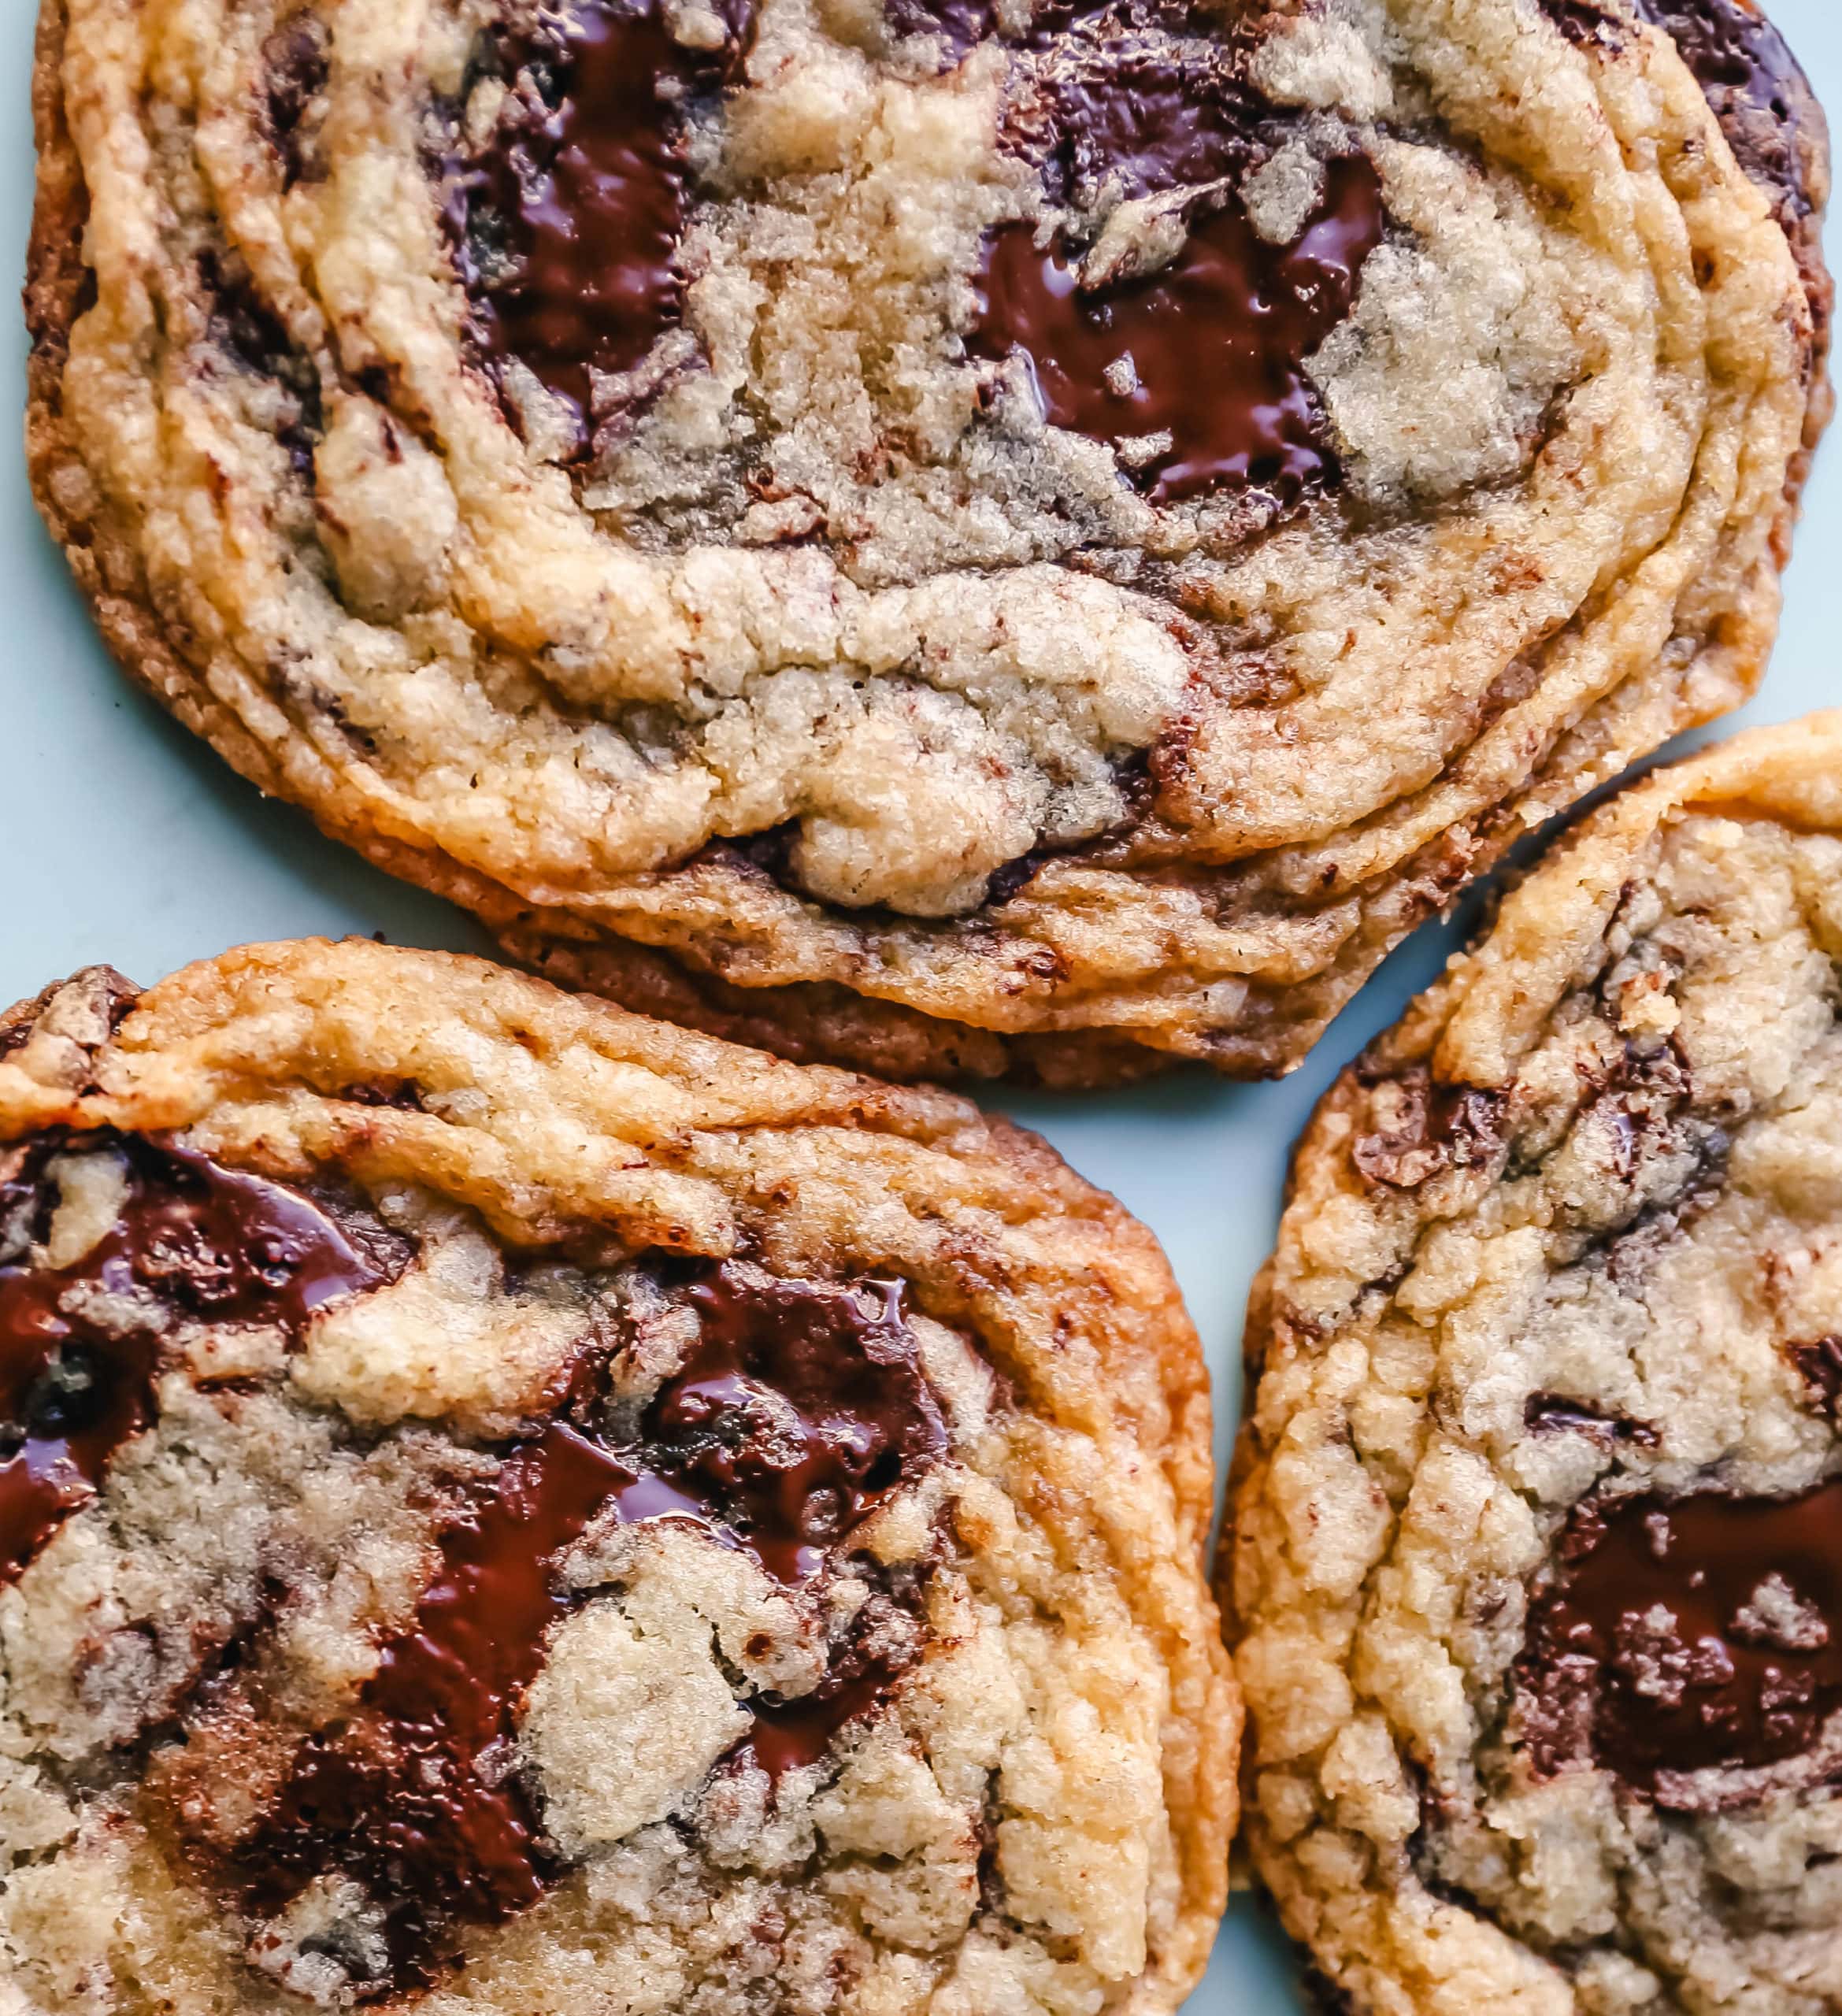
1194	371
1323	1995
1132	774
1422	1127
245	330
1755	88
296	61
98	996
1819	1364
1138	113
1549	1414
961	24
800	1408
863	1415
1209	352
1013	877
1752	82
208	1242
568	228
1685	1636
396	1799
1731	47
402	1094
790	1734
1581	22
241	323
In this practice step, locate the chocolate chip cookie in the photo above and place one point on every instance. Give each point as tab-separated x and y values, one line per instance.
1538	1580
506	1506
955	536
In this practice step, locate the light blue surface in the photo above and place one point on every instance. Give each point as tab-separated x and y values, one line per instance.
124	840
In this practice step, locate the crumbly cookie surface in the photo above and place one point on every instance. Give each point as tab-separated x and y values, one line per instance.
959	537
1537	1583
506	1505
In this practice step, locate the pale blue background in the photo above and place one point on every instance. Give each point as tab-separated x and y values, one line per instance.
124	840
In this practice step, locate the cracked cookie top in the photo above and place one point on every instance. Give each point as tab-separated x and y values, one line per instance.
1537	1585
506	1505
960	536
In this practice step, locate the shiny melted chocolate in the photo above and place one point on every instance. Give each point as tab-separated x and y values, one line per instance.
1583	20
1212	350
799	1411
797	1414
402	1799
210	1244
1132	108
1818	1363
1685	1636
569	228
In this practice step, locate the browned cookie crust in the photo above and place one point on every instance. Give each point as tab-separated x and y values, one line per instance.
506	1506
975	538
1537	1581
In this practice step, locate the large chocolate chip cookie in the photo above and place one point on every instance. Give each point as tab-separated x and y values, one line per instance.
958	537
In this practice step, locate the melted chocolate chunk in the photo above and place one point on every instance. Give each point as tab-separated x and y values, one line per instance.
1211	349
211	1244
1144	115
1819	1364
800	1408
1686	1635
1549	1414
1425	1126
1581	21
569	227
797	1414
788	1735
404	1800
1730	46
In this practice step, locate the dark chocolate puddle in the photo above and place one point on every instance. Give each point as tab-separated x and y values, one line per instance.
801	1409
567	227
208	1244
1686	1636
1211	351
